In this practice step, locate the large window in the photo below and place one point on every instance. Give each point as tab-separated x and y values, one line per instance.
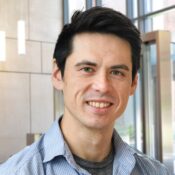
151	15
148	16
162	21
154	5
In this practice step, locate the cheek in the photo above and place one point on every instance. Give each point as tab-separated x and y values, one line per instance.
72	92
123	94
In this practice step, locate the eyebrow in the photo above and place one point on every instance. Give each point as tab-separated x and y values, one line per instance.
82	63
89	63
120	66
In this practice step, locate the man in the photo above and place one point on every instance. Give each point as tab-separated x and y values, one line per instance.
97	57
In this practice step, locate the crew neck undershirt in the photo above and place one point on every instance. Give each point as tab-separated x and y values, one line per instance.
97	168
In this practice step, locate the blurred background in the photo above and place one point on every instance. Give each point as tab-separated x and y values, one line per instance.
28	102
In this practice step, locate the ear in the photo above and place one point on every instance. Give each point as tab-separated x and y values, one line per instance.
57	77
134	84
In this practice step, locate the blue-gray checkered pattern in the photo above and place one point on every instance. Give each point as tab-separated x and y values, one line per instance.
51	156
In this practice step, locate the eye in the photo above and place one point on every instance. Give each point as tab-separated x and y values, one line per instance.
117	73
87	69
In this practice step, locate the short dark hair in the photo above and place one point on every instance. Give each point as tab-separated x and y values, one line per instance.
101	20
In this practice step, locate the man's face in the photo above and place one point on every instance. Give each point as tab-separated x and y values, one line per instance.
97	80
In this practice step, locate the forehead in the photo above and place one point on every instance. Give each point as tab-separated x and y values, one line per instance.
101	47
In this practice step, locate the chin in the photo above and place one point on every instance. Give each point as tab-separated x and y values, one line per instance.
99	124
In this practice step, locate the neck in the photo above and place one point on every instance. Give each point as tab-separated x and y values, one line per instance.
87	143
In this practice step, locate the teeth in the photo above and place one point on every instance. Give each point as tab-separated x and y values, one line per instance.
98	104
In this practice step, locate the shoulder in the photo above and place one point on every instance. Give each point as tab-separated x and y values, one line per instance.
144	163
149	165
27	158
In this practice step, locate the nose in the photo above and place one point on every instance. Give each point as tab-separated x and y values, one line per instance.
101	83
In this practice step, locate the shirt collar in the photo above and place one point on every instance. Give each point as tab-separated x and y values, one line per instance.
124	155
53	142
54	145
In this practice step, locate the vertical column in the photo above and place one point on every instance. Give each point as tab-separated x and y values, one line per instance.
165	102
163	124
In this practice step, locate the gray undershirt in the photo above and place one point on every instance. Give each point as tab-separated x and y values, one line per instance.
97	168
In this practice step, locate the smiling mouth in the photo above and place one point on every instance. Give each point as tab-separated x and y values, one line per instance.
99	104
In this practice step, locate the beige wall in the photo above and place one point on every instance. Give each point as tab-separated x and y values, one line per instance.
26	92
